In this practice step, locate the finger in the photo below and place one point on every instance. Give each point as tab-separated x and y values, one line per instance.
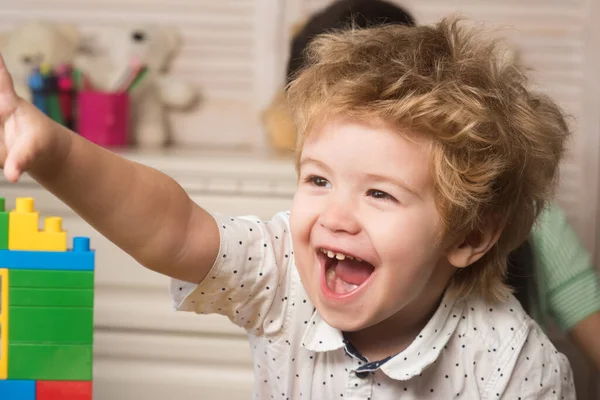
17	161
8	97
12	172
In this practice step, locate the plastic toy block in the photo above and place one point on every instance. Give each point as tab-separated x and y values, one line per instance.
50	362
63	390
33	278
3	324
3	225
74	260
47	299
53	238
51	297
45	325
17	390
23	232
22	224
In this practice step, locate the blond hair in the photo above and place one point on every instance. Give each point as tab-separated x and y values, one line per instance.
496	145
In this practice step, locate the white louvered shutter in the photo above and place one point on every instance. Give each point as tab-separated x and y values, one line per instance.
555	38
235	52
226	52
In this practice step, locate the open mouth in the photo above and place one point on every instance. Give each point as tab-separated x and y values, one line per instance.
344	273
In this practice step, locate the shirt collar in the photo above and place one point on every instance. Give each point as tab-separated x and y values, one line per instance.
319	336
420	354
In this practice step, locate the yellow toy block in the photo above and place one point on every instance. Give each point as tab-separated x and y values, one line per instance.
22	224
53	238
3	323
23	232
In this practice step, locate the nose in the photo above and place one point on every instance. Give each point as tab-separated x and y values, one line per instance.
340	216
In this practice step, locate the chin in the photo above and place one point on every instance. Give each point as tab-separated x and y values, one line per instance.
347	321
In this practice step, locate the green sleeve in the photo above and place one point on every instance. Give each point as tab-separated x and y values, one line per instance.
568	285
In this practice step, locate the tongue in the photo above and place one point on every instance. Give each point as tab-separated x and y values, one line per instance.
352	271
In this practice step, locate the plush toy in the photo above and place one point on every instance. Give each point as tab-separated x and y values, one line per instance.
341	14
31	44
119	49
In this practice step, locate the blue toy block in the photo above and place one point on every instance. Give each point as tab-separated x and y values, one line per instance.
80	258
17	390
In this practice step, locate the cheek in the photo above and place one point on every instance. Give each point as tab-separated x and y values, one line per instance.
301	221
304	211
303	217
408	239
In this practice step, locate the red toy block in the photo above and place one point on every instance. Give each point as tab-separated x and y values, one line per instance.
63	390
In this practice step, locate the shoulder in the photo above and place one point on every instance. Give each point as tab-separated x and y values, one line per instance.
514	352
539	370
497	325
499	331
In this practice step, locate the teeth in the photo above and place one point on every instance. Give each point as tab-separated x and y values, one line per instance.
339	256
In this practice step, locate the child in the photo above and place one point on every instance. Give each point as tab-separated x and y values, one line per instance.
423	162
566	287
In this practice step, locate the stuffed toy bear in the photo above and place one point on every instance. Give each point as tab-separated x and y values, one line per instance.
121	48
341	14
31	44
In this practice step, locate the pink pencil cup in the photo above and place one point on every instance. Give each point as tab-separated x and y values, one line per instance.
103	117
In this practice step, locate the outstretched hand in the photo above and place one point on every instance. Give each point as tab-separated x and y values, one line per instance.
28	138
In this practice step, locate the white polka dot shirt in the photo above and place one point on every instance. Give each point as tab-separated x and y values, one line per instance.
468	350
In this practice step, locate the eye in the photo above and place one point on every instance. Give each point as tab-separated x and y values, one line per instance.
318	181
138	36
378	194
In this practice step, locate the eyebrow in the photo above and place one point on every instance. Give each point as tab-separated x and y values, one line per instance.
394	181
373	177
318	163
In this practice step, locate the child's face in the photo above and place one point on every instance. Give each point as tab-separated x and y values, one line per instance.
366	193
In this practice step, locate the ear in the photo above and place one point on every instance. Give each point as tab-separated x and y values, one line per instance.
70	33
474	245
172	37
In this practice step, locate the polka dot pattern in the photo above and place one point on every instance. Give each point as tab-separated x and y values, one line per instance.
467	350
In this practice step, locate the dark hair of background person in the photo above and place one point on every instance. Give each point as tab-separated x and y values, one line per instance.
342	14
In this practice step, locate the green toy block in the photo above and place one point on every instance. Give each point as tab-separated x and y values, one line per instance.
51	297
3	225
29	278
59	325
50	362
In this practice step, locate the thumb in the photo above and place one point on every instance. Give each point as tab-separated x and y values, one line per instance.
8	97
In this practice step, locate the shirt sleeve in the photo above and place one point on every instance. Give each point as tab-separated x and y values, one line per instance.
539	372
249	273
569	284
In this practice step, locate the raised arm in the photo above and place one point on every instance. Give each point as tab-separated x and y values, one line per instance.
141	210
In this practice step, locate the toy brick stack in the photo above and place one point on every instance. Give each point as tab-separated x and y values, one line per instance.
46	308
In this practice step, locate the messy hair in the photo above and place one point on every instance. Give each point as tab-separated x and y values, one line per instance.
496	144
